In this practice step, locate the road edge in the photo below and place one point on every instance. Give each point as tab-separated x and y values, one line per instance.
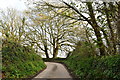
32	77
69	70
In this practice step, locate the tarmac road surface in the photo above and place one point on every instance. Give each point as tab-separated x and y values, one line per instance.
54	71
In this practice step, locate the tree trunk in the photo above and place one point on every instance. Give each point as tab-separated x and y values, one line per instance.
112	38
46	52
88	40
109	51
55	50
53	47
68	55
96	29
55	53
118	27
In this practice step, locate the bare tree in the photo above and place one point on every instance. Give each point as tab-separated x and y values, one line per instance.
12	25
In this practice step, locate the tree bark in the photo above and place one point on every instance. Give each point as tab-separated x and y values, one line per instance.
107	41
112	38
55	53
96	29
55	49
46	51
118	27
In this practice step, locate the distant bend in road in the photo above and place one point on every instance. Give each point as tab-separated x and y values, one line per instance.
54	70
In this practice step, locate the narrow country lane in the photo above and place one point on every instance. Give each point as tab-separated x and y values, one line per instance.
54	70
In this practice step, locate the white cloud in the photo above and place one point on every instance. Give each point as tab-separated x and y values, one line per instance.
17	4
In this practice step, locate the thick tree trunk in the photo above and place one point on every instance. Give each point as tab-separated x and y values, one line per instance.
55	48
99	39
55	53
112	38
46	52
118	28
107	41
96	29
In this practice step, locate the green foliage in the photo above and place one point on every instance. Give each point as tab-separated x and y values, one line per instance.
20	61
104	68
84	49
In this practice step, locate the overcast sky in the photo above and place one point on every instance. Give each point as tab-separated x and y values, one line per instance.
17	4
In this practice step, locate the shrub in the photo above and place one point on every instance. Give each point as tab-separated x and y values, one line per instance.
95	67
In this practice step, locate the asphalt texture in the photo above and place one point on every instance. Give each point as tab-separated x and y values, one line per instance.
54	71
